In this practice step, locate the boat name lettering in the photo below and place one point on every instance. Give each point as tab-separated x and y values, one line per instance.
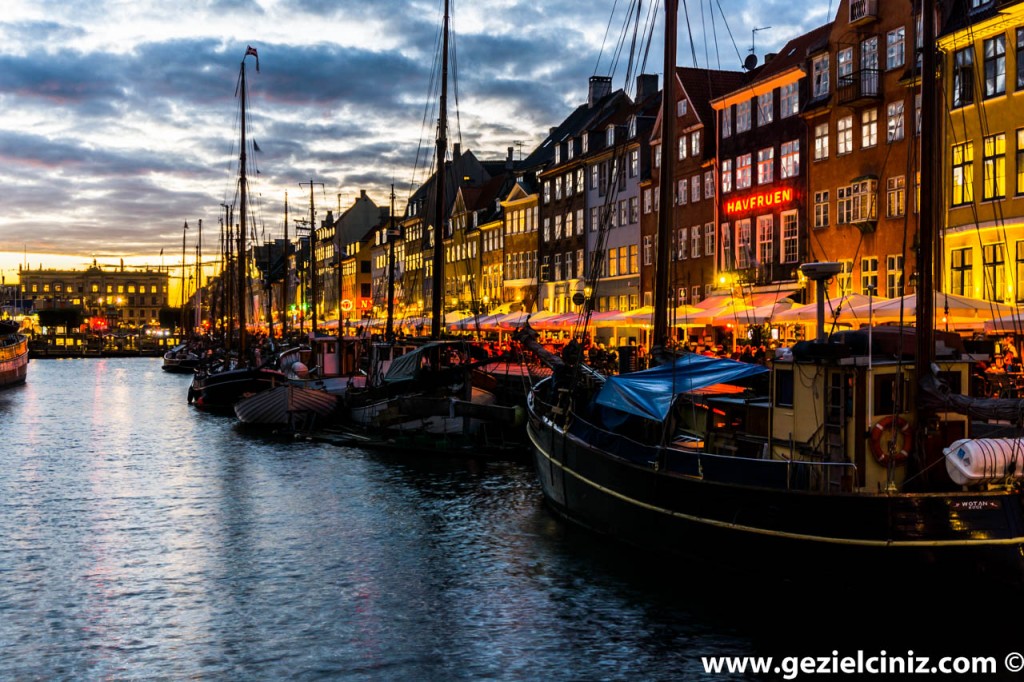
967	505
762	200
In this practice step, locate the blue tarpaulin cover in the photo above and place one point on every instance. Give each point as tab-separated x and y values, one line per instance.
650	393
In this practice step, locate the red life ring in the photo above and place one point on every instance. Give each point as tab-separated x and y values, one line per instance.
881	451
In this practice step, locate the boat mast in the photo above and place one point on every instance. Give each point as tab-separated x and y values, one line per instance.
665	208
392	233
243	217
312	255
437	298
930	163
199	278
184	233
287	273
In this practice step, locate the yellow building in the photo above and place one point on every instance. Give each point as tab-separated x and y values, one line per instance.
983	164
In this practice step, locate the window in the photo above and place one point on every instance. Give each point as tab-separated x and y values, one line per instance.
995	66
790	234
743	117
765	250
894	276
558	266
648	250
743	171
634	163
789	100
844	66
894	51
994	263
695	241
727	259
864	197
869	66
682	191
623	213
681	107
623	260
1020	59
961	271
821	141
765	108
595	217
610	136
844	205
709	239
790	159
580	180
695	188
681	239
681	145
993	167
963	173
868	128
727	167
868	275
743	244
634	210
1020	270
844	135
594	174
726	122
709	184
1020	161
765	165
613	262
844	280
647	201
894	122
820	209
895	196
547	191
657	156
634	266
819	70
917	114
963	77
695	144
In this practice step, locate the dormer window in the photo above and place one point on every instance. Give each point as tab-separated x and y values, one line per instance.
632	127
558	154
586	142
610	136
571	148
682	106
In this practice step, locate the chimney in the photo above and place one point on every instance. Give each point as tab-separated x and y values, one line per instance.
362	194
456	151
329	220
599	87
646	85
508	159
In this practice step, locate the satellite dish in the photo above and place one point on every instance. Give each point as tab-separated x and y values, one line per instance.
750	62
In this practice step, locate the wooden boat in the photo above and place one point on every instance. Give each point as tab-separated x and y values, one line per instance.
857	463
180	360
13	355
295	407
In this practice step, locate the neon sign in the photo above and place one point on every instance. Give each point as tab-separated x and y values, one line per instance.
762	200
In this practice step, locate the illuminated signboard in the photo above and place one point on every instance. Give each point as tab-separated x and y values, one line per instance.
762	200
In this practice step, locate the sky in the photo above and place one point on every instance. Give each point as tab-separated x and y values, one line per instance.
118	118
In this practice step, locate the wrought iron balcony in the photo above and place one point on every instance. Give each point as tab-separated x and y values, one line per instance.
860	87
863	11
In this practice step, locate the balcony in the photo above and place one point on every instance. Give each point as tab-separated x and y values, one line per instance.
860	87
863	12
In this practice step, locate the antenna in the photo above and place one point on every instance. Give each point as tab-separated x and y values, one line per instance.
519	145
753	36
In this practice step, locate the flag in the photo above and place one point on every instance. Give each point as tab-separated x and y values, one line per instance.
161	253
186	224
250	50
256	147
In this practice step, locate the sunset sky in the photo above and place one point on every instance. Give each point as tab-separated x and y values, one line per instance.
118	117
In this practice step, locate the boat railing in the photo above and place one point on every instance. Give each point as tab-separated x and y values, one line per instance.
734	469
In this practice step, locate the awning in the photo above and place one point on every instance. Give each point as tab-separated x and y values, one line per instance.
650	393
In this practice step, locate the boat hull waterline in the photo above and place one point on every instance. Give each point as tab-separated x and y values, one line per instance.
980	533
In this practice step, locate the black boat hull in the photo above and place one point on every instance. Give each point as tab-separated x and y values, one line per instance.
791	533
220	391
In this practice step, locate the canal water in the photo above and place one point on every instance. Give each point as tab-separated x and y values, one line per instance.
141	539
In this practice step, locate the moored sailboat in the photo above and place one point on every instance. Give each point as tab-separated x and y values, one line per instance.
857	462
220	382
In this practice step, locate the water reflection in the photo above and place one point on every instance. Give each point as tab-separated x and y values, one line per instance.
143	539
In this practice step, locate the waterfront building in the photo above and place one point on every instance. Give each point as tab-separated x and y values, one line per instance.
983	156
113	296
563	165
862	134
520	208
762	157
343	259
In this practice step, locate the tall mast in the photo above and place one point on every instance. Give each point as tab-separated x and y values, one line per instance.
287	274
199	277
184	233
392	233
243	217
437	299
312	252
665	208
930	163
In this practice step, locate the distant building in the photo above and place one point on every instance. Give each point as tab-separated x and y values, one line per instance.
124	296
